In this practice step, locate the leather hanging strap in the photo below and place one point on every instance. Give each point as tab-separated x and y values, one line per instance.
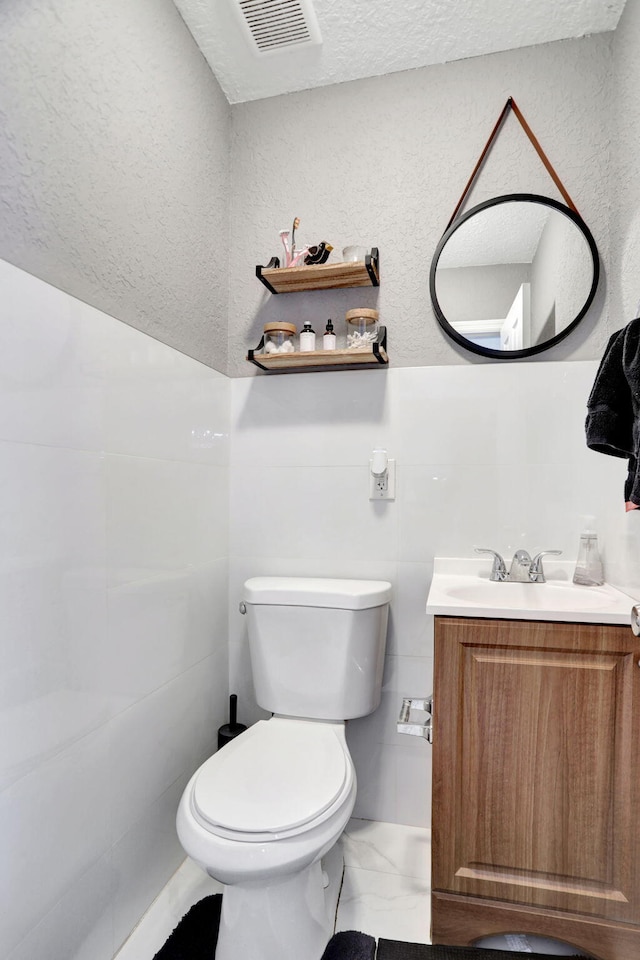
512	105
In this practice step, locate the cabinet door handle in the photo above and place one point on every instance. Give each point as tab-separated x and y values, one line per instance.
635	619
409	725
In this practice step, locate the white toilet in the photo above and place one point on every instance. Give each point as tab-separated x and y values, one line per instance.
261	814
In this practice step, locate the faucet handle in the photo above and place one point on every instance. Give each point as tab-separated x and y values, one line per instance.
536	573
498	570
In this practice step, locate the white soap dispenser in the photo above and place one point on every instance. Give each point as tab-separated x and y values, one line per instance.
588	572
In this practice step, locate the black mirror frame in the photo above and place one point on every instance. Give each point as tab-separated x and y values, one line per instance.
526	351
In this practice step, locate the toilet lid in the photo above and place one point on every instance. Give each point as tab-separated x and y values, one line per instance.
278	775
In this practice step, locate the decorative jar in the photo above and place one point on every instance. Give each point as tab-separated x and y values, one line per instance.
278	337
362	328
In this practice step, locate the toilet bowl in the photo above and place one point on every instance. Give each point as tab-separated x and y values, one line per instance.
259	816
264	814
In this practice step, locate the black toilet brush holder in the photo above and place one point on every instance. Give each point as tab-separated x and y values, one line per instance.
230	730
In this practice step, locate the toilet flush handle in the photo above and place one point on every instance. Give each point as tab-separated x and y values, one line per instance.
242	607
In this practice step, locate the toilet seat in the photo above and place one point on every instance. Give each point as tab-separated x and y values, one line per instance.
273	780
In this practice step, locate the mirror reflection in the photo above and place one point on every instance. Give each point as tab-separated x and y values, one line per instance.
514	274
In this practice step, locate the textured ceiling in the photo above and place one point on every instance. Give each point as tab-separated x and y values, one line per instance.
506	233
367	39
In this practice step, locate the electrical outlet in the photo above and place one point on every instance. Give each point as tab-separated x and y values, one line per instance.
384	487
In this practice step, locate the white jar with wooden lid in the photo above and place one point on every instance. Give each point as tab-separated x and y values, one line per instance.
362	328
278	337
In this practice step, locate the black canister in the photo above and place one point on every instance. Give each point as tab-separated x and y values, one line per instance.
230	730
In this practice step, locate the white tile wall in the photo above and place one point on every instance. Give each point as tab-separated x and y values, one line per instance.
124	551
487	455
113	603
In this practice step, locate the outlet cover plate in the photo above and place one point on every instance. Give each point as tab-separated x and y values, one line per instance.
380	491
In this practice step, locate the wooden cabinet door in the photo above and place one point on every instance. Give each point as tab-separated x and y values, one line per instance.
535	752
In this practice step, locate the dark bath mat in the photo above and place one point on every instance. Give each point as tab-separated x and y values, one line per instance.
196	936
350	945
396	950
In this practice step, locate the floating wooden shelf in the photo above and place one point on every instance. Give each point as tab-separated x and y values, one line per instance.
315	360
325	276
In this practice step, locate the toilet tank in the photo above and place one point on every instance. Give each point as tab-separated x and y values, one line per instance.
317	645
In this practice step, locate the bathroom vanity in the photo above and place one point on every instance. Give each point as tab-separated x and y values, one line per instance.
536	764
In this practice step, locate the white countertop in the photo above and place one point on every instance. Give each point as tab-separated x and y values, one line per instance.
461	588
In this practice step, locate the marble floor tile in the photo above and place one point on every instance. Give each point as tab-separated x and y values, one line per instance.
384	905
387	848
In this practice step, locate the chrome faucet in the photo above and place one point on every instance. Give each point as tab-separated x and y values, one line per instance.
520	567
522	570
536	573
498	570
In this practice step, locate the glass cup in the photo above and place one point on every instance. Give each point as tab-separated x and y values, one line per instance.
353	254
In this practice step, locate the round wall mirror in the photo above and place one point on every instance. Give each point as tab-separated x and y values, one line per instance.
514	275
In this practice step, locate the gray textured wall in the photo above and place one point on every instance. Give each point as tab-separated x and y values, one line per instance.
480	293
622	544
561	277
115	175
384	161
114	156
624	180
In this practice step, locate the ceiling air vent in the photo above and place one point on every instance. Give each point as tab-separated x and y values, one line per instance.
275	25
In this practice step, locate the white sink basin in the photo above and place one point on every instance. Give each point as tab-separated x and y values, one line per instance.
555	596
462	588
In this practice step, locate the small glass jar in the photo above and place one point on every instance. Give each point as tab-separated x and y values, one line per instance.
362	328
278	337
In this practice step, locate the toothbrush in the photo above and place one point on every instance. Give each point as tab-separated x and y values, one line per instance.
284	236
296	224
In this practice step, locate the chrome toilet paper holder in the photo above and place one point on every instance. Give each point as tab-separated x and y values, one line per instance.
409	724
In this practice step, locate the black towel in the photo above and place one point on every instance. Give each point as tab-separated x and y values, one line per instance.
613	418
610	412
